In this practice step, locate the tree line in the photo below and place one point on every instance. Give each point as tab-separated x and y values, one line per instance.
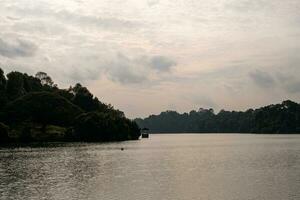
33	108
278	118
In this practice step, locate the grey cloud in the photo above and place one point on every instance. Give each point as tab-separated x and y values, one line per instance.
285	81
13	18
293	87
78	19
126	75
204	101
248	5
19	48
108	23
82	75
162	63
262	79
289	82
152	2
40	26
125	70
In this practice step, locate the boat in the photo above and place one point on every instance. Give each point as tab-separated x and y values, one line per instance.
145	133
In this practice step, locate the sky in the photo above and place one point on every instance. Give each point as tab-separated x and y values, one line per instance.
147	56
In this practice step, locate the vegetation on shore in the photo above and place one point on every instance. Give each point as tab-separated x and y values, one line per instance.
279	118
34	109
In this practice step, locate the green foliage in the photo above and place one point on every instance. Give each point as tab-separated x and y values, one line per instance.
37	110
4	138
280	118
97	126
3	99
2	80
32	84
19	84
83	98
42	107
44	79
15	85
48	133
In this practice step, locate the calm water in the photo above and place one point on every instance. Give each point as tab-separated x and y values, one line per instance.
164	167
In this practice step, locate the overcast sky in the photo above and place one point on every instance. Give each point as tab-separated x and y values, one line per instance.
146	56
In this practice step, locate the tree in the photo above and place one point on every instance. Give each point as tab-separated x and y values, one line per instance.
32	84
2	80
4	137
42	107
279	118
15	85
98	126
3	97
37	110
45	79
83	98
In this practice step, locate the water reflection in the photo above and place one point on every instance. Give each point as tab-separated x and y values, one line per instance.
163	167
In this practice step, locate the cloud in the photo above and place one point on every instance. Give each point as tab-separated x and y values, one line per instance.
40	27
83	75
125	74
289	82
262	79
293	87
161	63
19	48
13	18
125	70
165	49
248	5
76	18
204	101
111	23
286	81
152	2
207	102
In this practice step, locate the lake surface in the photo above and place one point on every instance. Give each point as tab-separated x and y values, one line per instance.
163	167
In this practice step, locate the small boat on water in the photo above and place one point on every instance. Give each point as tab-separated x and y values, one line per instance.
145	133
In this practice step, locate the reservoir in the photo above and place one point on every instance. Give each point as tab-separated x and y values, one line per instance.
163	167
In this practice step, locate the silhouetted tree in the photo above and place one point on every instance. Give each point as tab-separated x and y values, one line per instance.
4	138
279	118
32	84
3	97
97	126
15	85
2	80
83	98
42	107
34	106
44	78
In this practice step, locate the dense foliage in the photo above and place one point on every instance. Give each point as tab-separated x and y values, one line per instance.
279	118
35	109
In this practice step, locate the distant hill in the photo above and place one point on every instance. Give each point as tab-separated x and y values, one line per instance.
279	118
34	109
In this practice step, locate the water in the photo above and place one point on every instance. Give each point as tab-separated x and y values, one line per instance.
164	167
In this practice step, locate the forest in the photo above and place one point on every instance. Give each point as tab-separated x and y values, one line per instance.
34	109
278	118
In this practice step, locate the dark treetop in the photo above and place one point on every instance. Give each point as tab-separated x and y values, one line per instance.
34	109
279	118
